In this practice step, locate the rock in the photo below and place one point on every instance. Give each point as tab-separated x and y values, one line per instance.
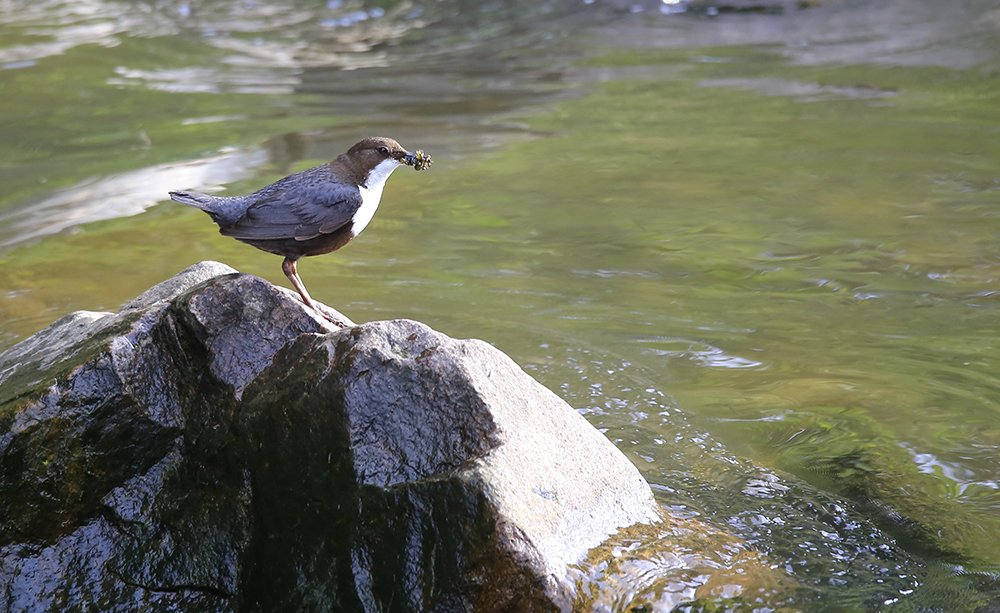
216	446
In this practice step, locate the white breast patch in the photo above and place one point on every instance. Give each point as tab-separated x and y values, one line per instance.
371	194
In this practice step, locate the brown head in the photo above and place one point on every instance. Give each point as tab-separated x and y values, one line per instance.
378	148
369	154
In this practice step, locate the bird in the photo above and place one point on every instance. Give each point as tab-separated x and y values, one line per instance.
311	212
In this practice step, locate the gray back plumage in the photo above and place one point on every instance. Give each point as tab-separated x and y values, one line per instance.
225	210
302	205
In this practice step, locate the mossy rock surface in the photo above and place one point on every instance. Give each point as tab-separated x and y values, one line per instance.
216	446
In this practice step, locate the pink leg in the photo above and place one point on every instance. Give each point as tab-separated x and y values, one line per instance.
289	268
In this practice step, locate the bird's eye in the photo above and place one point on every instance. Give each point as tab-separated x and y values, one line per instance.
384	150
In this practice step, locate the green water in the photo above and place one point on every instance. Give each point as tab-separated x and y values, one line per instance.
773	283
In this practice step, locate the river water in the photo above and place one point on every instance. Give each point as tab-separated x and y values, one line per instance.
756	243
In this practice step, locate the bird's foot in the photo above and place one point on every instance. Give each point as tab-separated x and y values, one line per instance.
330	316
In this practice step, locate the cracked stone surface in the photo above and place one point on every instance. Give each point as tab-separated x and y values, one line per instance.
216	446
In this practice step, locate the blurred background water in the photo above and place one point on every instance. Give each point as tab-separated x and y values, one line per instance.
755	242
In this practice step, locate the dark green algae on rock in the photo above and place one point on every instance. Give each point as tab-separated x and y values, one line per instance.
216	446
116	483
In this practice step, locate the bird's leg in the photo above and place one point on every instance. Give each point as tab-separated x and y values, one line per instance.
289	268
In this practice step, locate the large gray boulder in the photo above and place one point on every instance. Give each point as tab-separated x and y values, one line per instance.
216	446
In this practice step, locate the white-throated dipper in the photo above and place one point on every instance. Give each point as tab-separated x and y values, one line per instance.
312	212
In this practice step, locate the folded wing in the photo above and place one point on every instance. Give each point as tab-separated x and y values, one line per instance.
318	207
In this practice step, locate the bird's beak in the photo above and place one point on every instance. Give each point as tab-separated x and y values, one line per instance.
418	160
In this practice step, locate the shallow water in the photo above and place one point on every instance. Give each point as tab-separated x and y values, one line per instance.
758	250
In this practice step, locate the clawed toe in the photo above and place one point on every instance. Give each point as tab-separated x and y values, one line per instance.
330	318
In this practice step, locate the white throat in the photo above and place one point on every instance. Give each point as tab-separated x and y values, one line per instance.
371	194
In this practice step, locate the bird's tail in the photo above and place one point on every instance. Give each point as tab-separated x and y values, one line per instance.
201	201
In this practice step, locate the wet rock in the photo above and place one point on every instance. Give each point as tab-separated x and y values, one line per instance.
216	446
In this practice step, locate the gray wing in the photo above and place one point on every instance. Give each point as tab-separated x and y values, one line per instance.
293	210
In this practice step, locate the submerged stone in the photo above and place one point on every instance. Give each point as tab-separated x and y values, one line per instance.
217	446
